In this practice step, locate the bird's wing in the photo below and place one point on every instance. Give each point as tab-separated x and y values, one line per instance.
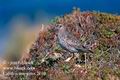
72	43
72	40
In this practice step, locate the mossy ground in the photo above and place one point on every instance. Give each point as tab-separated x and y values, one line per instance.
102	64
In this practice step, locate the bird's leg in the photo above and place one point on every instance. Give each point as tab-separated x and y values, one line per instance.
68	59
85	59
73	55
78	58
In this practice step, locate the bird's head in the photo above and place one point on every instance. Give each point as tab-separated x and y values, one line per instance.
61	28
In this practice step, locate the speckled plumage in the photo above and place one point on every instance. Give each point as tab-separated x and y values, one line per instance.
70	42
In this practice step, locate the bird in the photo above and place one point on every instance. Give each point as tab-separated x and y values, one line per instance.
69	42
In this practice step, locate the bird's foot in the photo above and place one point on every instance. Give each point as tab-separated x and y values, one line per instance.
79	61
68	59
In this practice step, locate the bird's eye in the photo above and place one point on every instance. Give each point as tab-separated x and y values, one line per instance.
83	46
87	43
94	33
60	25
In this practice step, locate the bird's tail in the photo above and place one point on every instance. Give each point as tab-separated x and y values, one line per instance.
84	50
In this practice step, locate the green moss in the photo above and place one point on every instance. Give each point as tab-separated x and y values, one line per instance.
117	30
107	32
35	63
92	74
66	68
22	77
57	48
44	74
105	17
54	20
98	67
50	62
97	54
